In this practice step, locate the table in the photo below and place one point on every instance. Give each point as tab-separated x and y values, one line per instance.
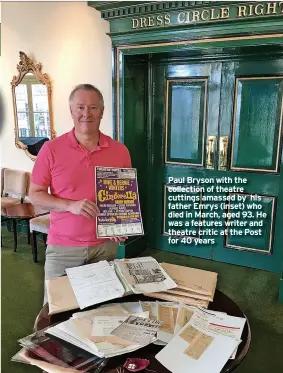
23	211
221	302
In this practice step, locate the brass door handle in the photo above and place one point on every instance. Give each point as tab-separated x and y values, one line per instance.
210	152
223	153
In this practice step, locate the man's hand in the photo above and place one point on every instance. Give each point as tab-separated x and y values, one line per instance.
119	239
84	207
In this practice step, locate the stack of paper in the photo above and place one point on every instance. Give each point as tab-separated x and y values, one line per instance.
194	286
107	331
144	275
61	295
95	283
49	354
204	344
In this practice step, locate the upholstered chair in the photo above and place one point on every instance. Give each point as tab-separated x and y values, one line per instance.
37	225
14	187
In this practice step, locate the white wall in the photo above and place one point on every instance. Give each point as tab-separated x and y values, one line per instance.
69	39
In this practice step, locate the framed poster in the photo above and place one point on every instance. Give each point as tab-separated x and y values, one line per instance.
117	198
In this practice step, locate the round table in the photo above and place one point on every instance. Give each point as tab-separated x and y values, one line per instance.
221	303
23	211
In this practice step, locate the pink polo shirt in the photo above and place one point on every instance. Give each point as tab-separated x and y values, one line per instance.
68	169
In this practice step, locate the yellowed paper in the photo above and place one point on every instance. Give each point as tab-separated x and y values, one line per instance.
60	294
113	339
198	345
190	294
165	314
147	306
197	280
184	316
189	333
180	299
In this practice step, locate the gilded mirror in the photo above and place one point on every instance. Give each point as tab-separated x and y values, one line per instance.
31	91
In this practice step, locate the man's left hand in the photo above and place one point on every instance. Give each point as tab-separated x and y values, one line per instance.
119	239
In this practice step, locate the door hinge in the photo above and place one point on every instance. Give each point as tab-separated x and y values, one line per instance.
153	88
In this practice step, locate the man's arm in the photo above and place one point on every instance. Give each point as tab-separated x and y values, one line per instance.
39	196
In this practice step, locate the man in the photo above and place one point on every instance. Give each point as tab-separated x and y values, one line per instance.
66	165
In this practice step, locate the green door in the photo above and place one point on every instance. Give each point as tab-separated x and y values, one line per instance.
217	131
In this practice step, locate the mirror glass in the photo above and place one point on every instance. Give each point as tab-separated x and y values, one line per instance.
32	94
32	113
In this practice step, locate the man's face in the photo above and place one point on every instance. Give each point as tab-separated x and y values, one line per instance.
86	111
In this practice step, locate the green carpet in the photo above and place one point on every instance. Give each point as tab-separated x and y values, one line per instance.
255	291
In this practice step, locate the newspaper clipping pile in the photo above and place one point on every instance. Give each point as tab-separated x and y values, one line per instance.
191	338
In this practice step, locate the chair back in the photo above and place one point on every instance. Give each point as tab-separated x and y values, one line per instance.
15	183
2	180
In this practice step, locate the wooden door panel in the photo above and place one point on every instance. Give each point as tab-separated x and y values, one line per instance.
257	123
257	224
237	103
186	103
254	90
185	121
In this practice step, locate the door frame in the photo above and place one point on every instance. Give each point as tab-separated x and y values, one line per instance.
120	52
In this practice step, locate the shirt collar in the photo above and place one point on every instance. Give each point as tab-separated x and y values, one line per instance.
103	140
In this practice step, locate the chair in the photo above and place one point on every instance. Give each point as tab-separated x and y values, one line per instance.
40	224
2	180
14	187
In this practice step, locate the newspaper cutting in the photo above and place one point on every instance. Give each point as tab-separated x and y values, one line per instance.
138	330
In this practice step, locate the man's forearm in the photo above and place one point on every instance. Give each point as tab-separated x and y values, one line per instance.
49	202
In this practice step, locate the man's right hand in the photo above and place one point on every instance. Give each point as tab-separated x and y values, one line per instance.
84	207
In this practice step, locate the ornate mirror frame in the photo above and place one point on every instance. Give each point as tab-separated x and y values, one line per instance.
25	66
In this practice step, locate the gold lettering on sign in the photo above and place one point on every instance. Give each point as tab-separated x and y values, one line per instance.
135	22
143	22
204	15
212	16
195	17
242	11
269	6
209	14
260	7
167	19
150	21
159	20
181	17
224	13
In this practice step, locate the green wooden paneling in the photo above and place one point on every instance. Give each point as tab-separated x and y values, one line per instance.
257	231
186	104
174	218
258	117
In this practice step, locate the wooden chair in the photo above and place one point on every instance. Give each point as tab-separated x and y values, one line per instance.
38	225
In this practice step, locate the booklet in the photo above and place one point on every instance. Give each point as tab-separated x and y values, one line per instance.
117	198
144	275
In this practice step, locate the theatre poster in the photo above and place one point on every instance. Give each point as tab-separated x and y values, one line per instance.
117	198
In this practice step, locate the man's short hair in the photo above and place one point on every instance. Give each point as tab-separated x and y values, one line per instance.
86	87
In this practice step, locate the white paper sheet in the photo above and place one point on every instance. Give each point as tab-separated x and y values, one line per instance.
197	349
221	323
103	325
94	283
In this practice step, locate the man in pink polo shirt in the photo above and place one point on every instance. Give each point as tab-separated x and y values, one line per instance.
66	166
